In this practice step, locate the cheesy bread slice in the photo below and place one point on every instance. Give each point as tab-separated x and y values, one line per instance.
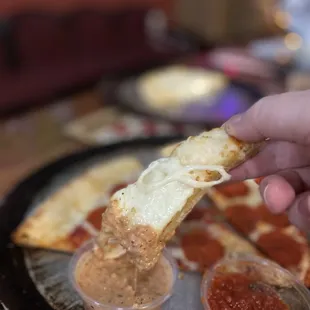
143	216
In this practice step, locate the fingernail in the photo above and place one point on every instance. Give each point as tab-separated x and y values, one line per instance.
232	123
268	193
265	194
299	214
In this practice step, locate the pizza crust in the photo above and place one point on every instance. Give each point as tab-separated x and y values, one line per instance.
51	223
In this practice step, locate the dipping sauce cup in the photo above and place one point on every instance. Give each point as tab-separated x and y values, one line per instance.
91	304
249	279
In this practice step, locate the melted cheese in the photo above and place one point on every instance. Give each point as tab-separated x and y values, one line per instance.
206	148
163	190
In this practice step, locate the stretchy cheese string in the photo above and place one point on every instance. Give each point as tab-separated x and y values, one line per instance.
183	175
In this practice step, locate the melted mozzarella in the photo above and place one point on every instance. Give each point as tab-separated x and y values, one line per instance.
213	145
163	190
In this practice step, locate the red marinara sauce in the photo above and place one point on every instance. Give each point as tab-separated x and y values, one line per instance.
237	291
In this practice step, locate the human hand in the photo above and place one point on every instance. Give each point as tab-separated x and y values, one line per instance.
285	159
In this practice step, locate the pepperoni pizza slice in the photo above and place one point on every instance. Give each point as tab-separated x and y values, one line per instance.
72	214
286	246
198	246
243	207
203	238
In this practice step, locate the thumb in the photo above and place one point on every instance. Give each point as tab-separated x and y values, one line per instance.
299	213
283	117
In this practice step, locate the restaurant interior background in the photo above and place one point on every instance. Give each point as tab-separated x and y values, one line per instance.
79	75
63	60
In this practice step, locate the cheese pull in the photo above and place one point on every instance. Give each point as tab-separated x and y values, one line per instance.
144	215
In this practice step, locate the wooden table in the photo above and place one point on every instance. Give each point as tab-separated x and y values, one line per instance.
30	140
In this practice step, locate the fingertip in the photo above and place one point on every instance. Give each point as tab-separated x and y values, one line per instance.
231	126
277	193
238	174
299	213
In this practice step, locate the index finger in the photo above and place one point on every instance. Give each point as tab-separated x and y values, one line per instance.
283	117
274	157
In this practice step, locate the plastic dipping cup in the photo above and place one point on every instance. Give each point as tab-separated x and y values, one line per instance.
91	304
293	293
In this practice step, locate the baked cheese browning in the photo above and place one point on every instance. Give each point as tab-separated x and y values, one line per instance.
167	191
68	218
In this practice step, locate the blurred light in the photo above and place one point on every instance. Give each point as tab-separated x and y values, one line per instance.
282	19
293	41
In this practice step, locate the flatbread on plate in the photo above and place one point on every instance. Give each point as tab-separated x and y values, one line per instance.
72	214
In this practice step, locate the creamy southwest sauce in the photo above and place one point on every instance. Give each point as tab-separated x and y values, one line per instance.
116	281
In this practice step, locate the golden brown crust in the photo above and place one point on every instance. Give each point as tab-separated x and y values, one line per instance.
246	151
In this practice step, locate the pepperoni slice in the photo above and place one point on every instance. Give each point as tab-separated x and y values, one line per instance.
79	236
242	217
259	180
233	189
199	247
278	220
196	214
281	248
95	217
117	187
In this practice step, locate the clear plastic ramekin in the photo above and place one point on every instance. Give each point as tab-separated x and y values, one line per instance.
91	304
290	290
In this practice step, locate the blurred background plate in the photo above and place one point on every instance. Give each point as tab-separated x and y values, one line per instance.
234	98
